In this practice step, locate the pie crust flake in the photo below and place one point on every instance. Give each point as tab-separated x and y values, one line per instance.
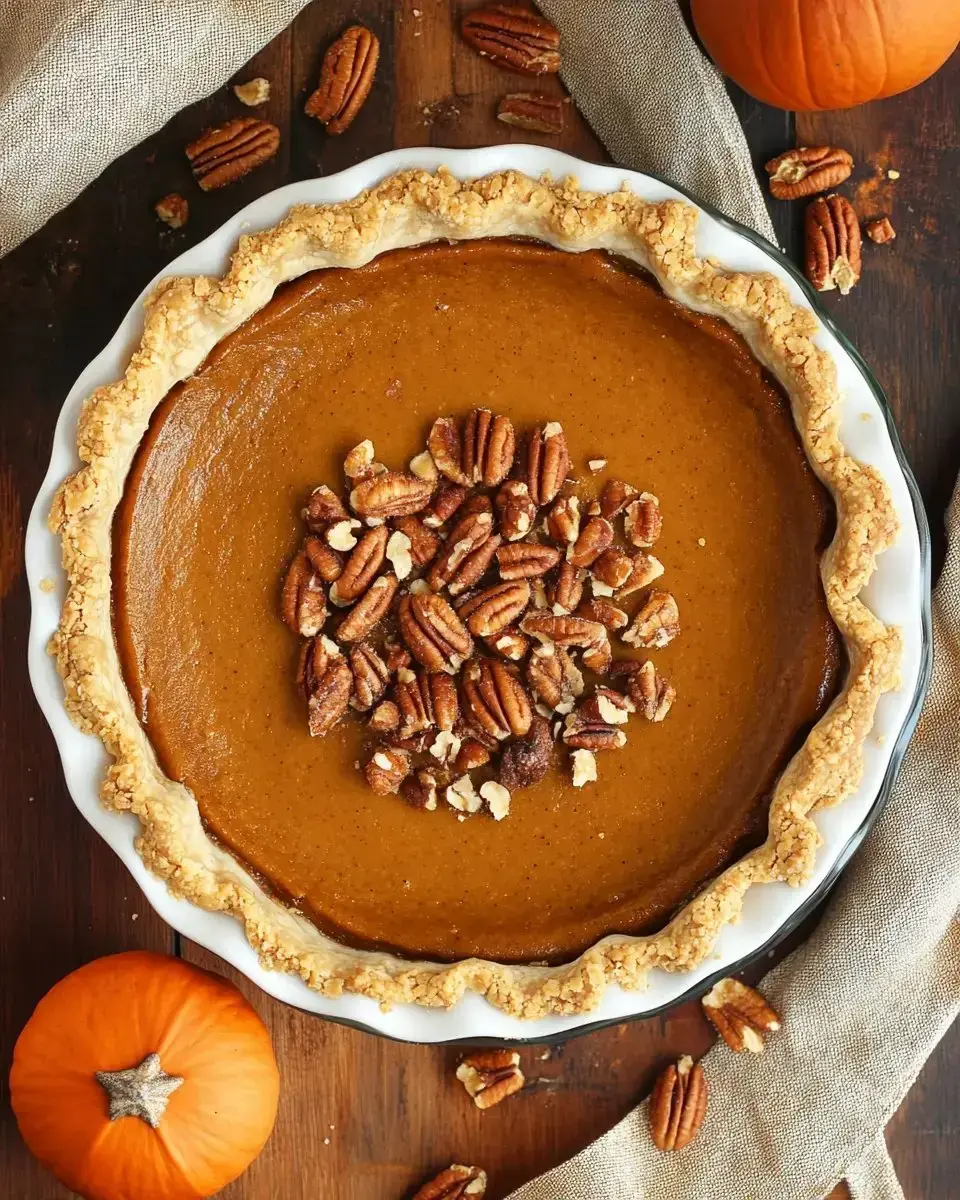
186	318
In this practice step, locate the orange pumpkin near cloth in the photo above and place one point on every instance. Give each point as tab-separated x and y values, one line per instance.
813	54
140	1077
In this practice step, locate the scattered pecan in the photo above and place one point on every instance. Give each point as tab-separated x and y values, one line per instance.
370	676
678	1105
446	447
395	655
833	244
563	630
548	461
323	508
582	734
474	566
642	520
599	655
360	463
433	633
583	768
645	570
594	538
341	534
323	558
492	610
563	520
553	677
414	702
808	170
472	754
455	1183
606	705
469	533
567	589
649	691
613	567
387	769
364	562
390	494
509	642
656	624
424	543
303	603
604	612
385	718
533	111
615	497
495	699
740	1015
420	790
513	36
346	77
329	694
525	761
253	93
479	502
369	609
879	230
489	445
446	500
228	152
491	1076
516	511
173	210
312	661
524	560
443	698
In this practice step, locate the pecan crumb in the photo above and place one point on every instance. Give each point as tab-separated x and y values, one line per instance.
880	230
173	210
253	92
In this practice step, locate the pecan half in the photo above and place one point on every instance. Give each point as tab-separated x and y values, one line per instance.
833	244
563	630
594	538
346	77
604	612
548	461
227	152
446	500
303	602
642	521
474	566
525	761
516	511
524	560
489	445
740	1015
424	543
391	494
678	1105
582	734
492	610
613	567
455	1183
470	532
387	769
808	170
645	570
472	754
370	676
563	520
433	633
615	497
313	660
495	699
412	697
446	448
173	210
323	508
491	1076
329	695
651	693
420	790
443	699
323	558
509	642
369	609
364	562
567	589
656	624
385	718
879	230
553	677
533	111
513	36
598	656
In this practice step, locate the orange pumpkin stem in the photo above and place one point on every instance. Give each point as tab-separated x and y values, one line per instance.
139	1091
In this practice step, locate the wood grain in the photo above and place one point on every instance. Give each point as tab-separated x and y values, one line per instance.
362	1118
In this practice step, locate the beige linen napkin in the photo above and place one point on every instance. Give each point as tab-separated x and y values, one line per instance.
866	999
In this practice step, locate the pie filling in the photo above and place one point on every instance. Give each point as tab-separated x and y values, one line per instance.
673	401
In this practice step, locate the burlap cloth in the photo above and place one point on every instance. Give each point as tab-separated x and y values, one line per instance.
869	995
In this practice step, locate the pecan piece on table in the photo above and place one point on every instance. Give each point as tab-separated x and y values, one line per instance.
533	111
656	624
490	1076
433	633
495	699
807	170
391	494
370	677
595	537
173	210
303	602
643	521
358	573
524	560
582	734
740	1015
489	444
227	152
606	705
678	1104
832	256
253	93
387	769
516	511
525	761
548	461
369	609
514	36
455	1183
879	230
346	77
323	558
492	610
360	462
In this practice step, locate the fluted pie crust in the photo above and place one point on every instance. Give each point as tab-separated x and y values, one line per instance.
186	318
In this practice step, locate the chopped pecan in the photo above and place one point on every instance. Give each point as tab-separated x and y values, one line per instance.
740	1015
599	655
808	170
399	553
329	698
594	538
390	494
651	693
553	677
446	500
615	497
497	798
369	609
567	589
513	36
424	543
645	570
420	790
604	612
228	152
642	521
385	718
678	1105
606	705
879	230
656	624
479	502
533	111
524	560
387	769
509	642
563	630
491	1076
346	77
492	610
395	655
446	448
613	567
584	766
323	508
323	558
563	520
340	535
516	511
455	1183
370	676
525	761
496	699
469	533
303	603
253	93
360	462
173	210
582	734
433	633
489	445
832	244
462	795
364	562
472	754
548	461
423	466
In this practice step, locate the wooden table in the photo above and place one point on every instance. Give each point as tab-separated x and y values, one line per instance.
362	1118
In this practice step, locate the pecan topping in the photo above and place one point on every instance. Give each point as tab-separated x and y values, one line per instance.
584	768
524	560
390	494
433	633
477	503
364	562
740	1015
387	769
323	508
370	677
656	624
513	36
443	699
525	761
563	630
385	718
446	500
606	705
567	589
516	511
369	609
395	655
472	754
492	610
470	532
599	655
548	461
455	1183
420	790
474	566
323	558
651	693
173	210
594	538
313	660
495	699
446	448
497	798
582	734
808	170
253	93
360	463
303	603
678	1105
329	693
412	696
879	230
615	497
604	612
488	447
509	642
645	570
553	677
832	235
346	77
533	111
563	520
491	1076
613	567
642	521
424	543
228	152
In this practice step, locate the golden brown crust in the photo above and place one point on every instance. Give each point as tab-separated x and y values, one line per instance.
185	318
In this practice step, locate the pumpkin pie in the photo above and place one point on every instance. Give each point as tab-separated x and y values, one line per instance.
272	523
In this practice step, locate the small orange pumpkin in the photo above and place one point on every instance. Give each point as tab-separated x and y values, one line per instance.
141	1077
814	54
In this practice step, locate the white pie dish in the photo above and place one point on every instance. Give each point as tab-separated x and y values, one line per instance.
897	593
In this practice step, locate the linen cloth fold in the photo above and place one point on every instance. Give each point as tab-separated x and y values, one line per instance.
869	995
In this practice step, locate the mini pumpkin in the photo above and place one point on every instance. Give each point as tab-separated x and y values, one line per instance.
141	1077
816	54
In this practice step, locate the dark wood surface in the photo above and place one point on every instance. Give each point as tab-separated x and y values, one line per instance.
362	1118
